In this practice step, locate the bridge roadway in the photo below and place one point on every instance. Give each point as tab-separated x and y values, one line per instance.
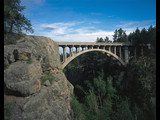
92	44
119	51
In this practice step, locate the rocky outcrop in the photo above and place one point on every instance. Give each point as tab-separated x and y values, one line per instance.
22	79
25	62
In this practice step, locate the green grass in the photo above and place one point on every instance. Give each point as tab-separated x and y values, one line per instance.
47	76
29	61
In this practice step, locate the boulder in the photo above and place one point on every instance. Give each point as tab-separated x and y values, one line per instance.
22	79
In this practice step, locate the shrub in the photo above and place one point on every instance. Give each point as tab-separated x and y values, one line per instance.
123	111
47	76
78	109
29	61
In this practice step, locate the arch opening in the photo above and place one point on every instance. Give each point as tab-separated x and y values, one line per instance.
108	53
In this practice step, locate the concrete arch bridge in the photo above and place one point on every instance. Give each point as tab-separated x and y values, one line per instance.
119	51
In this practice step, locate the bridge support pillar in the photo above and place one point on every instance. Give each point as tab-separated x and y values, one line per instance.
126	54
76	50
79	49
120	54
91	47
64	54
109	48
72	51
115	50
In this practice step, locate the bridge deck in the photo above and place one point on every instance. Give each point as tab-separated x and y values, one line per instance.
91	44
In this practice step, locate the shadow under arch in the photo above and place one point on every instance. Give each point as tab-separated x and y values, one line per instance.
69	59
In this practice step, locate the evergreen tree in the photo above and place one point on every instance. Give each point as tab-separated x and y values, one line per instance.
100	87
144	36
100	39
115	36
91	101
120	36
123	111
14	20
103	40
152	36
78	108
106	39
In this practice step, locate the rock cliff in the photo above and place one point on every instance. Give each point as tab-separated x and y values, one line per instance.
27	98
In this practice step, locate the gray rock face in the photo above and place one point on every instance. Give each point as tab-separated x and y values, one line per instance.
23	79
52	102
28	59
47	83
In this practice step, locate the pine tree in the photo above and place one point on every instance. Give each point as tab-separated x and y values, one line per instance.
100	39
120	36
123	111
14	20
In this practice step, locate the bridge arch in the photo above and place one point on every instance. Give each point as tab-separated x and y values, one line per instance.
69	59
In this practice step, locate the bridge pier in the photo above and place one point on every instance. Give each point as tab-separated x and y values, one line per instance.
64	54
72	51
82	48
114	49
76	50
109	48
79	49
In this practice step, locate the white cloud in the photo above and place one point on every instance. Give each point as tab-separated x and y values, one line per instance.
132	25
72	31
83	31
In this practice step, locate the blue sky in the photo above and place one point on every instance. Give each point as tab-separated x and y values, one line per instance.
85	20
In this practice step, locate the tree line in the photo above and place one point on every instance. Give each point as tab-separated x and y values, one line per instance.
138	37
